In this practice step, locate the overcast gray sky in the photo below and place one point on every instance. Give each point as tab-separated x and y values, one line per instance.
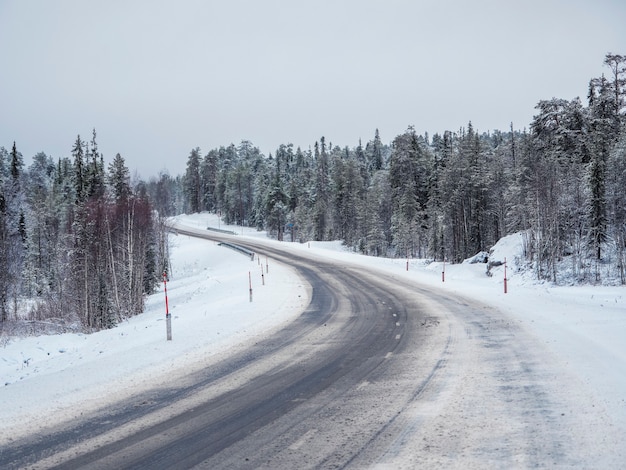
157	78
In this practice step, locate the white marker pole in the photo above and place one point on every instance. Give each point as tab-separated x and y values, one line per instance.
250	281
168	318
505	287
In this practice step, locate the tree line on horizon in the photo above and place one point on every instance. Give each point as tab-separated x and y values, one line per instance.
445	197
82	243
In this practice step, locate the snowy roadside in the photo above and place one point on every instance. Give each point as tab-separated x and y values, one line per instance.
47	378
582	328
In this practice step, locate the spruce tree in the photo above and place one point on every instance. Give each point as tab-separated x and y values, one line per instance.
320	211
602	137
95	170
193	186
80	183
119	180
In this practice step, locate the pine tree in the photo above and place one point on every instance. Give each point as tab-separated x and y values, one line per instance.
437	227
602	137
303	194
209	175
347	189
193	186
374	152
80	182
4	258
321	205
43	224
12	235
95	170
617	65
119	180
378	215
409	173
276	200
616	202
17	164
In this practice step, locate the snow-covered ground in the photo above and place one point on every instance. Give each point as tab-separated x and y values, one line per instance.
45	378
584	328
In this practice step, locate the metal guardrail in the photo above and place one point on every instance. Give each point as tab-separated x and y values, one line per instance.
219	230
238	248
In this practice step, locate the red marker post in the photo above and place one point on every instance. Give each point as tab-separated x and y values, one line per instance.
168	318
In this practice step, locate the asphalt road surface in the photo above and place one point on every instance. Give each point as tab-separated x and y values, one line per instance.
377	372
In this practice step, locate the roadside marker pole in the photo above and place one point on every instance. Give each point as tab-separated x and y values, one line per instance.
168	317
267	266
262	277
443	271
505	287
250	282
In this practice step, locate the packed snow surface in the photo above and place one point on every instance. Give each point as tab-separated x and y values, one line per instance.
47	377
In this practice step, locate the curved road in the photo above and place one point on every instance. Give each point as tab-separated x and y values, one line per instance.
376	372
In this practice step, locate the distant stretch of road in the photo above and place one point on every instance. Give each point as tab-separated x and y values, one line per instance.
376	371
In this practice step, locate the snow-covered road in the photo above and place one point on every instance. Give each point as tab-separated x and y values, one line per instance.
544	368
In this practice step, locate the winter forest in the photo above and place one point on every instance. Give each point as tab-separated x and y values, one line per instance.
81	244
